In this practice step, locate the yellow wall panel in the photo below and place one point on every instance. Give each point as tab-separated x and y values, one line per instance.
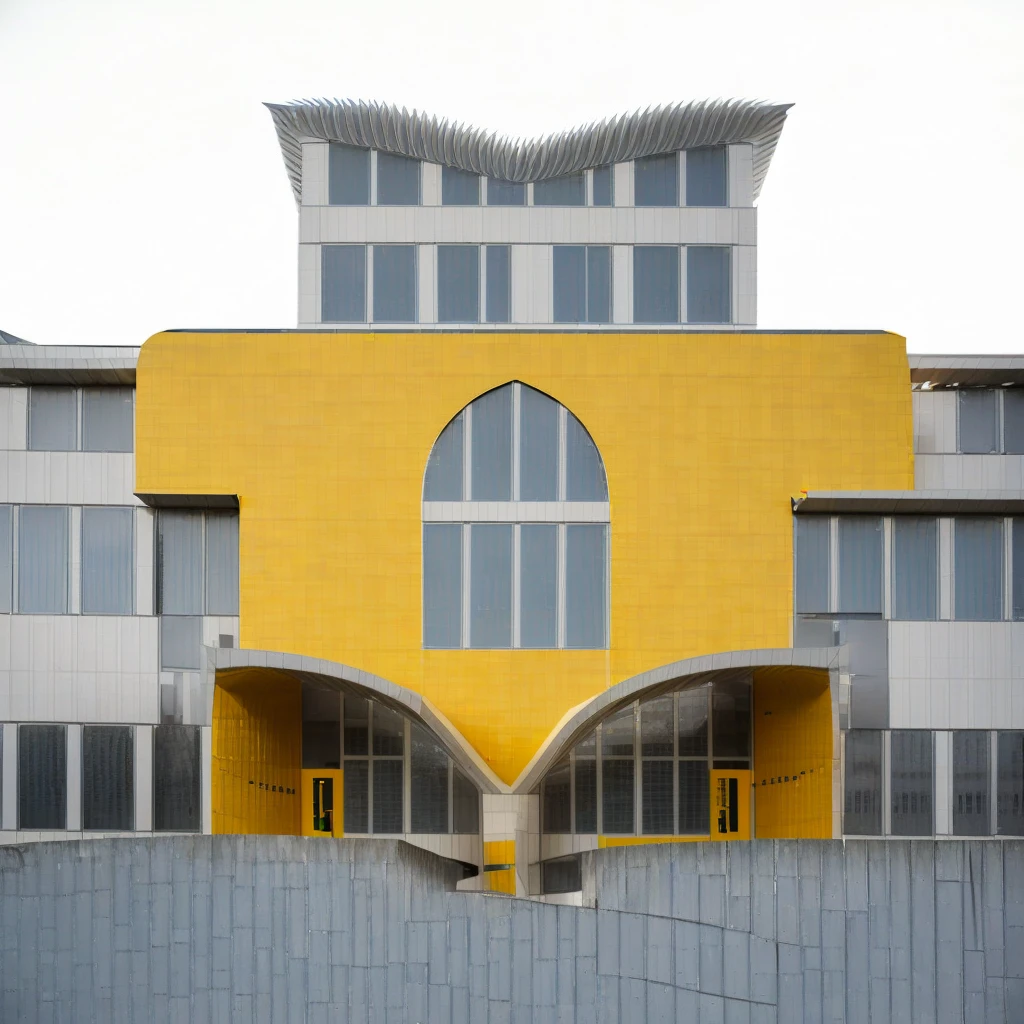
324	437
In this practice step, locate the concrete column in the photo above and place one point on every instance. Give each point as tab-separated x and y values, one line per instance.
511	837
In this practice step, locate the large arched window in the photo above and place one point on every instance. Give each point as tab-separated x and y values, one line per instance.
515	528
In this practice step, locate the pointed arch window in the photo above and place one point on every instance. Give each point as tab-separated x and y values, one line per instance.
515	528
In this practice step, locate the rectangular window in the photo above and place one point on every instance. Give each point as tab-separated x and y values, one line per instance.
6	558
557	799
568	190
108	791
862	783
429	780
538	555
107	561
979	421
693	722
180	640
444	470
357	726
860	565
912	782
357	797
656	284
656	180
971	783
321	728
618	796
708	284
1010	784
563	874
466	805
490	587
42	776
491	460
499	284
348	175
458	284
1017	579
505	193
221	564
1013	421
52	419
398	181
584	470
694	799
538	446
43	560
658	797
730	719
915	568
177	773
459	188
586	793
394	284
707	176
585	586
604	194
343	284
388	732
657	726
582	283
180	563
107	424
812	564
387	796
978	569
442	586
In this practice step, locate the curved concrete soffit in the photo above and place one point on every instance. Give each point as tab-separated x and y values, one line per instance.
660	129
581	719
345	678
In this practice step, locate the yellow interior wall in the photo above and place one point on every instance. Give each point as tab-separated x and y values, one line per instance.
257	746
705	437
793	747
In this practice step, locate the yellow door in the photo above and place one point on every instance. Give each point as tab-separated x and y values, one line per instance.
730	804
322	802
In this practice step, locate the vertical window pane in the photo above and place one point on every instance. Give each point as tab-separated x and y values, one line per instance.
43	559
694	799
107	420
388	732
108	802
387	797
912	784
564	874
394	284
657	797
586	586
343	284
357	725
618	734
348	175
459	188
862	783
429	798
812	559
1018	568
180	562
52	419
444	468
492	446
499	284
1010	784
599	284
915	568
656	727
569	289
693	722
708	284
971	783
490	593
860	564
6	558
730	718
585	480
458	284
42	776
556	807
706	177
568	190
442	586
107	561
466	809
357	797
979	421
978	569
538	446
398	180
586	794
538	557
321	728
177	773
505	193
221	564
603	188
180	640
1013	421
656	180
617	796
656	284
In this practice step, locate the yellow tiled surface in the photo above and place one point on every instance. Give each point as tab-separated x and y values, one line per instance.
501	881
604	842
500	851
705	438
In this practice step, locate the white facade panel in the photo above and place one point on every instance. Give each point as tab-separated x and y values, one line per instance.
74	777
314	173
143	780
741	174
426	270
744	262
969	472
13	419
67	478
145	562
622	284
8	775
309	284
935	422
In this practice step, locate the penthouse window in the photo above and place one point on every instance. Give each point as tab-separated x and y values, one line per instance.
990	422
582	284
515	534
105	416
459	188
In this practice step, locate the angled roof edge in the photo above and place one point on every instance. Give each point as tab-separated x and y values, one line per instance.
660	129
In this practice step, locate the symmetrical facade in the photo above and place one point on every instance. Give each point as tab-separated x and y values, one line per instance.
526	542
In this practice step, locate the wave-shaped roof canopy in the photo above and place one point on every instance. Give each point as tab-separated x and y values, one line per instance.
624	137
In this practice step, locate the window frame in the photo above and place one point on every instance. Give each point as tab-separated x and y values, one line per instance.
79	403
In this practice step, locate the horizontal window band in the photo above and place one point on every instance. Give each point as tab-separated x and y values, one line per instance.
516	512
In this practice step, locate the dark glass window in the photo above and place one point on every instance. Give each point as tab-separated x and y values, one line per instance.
398	181
466	801
343	284
1018	569
429	770
107	561
657	797
394	284
707	177
568	190
862	783
459	188
321	728
177	773
505	193
971	780
499	284
108	789
656	284
387	795
348	175
656	180
693	722
915	568
357	799
912	782
357	726
694	799
603	186
42	777
1010	784
730	725
561	875
107	423
490	588
708	284
586	794
1013	421
978	569
618	801
812	564
458	284
979	421
556	805
582	284
442	585
860	564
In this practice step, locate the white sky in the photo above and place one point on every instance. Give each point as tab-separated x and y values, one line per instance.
142	188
